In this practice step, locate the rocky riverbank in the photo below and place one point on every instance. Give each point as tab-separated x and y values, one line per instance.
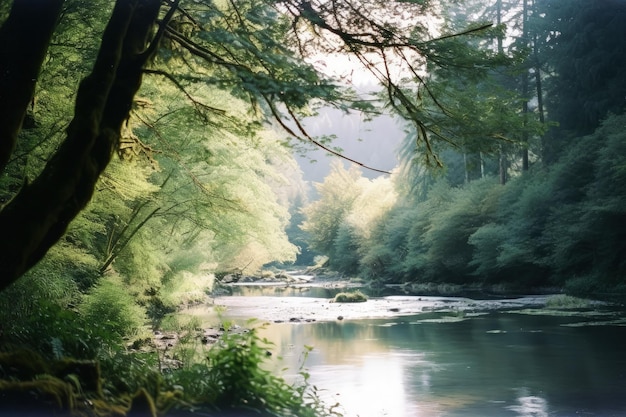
307	309
438	299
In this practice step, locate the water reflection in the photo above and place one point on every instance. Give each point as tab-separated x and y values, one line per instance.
375	376
493	365
530	405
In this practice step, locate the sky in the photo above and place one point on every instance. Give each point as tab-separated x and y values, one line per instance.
374	143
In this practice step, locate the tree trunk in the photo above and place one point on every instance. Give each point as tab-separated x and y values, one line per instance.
502	157
24	39
525	92
539	89
499	22
502	166
39	214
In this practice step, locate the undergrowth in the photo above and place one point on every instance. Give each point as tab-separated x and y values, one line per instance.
228	376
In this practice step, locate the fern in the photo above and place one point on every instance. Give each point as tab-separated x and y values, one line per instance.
57	348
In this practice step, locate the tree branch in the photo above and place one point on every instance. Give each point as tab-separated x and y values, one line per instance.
309	138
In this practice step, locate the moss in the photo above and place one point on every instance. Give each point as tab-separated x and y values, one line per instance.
45	393
85	372
22	364
349	297
30	384
142	405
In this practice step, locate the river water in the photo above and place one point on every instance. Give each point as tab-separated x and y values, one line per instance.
508	362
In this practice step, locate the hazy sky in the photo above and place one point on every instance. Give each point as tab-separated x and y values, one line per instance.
372	143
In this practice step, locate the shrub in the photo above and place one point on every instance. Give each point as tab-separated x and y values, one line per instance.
236	377
566	301
350	297
110	307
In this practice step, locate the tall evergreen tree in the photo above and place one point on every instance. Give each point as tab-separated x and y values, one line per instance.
582	44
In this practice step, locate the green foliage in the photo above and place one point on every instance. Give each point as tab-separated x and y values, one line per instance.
55	332
588	231
111	308
232	377
346	245
125	373
200	185
450	227
299	237
349	207
325	216
238	380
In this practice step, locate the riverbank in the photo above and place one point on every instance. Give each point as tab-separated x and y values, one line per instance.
275	301
277	309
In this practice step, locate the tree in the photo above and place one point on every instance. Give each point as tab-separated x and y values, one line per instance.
325	217
39	214
481	110
580	44
238	47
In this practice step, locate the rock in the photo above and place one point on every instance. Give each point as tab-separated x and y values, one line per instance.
339	317
394	310
284	276
229	278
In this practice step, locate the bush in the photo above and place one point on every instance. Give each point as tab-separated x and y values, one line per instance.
582	285
566	301
350	297
235	377
110	307
55	332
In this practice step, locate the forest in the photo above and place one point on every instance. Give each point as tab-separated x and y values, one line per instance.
540	208
148	150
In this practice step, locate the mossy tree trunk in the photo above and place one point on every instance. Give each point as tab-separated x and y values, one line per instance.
39	214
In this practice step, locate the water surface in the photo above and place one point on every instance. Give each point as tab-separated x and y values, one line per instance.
496	364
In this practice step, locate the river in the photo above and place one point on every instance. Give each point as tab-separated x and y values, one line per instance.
458	361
